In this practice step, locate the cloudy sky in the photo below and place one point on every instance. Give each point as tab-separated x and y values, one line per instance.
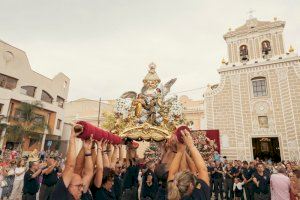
105	46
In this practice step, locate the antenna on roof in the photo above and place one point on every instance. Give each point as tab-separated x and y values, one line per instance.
250	13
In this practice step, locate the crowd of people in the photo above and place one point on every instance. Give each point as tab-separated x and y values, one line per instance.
103	171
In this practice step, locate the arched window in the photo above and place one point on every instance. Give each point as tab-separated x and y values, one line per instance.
259	85
46	97
266	48
28	90
244	56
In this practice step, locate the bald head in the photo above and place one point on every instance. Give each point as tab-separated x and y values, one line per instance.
76	186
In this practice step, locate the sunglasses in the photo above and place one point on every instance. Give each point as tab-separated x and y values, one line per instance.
79	186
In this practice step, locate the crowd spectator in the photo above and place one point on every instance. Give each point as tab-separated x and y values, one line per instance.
18	180
280	185
99	171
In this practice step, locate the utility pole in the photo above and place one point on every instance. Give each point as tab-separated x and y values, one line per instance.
99	112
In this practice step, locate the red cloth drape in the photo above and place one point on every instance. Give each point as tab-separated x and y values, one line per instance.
214	135
98	134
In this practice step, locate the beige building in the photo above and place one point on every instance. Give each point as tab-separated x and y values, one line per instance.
19	83
256	105
87	110
193	112
83	110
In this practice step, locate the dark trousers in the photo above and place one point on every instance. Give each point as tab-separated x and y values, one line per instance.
46	192
131	194
211	182
228	188
262	196
29	197
249	190
218	188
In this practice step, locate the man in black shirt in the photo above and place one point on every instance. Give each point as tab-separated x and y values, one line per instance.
247	172
31	184
50	178
218	180
105	192
261	180
228	182
118	181
72	186
130	182
154	185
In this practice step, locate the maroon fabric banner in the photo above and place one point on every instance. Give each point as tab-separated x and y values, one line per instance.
214	135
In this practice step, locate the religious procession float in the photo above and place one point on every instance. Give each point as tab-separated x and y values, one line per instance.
152	115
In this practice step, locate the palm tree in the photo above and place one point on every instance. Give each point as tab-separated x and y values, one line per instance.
26	123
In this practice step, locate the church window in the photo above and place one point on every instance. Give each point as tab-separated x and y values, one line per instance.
259	85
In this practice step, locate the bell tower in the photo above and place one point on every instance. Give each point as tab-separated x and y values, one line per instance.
255	41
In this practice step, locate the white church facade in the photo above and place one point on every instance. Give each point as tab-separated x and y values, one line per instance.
256	105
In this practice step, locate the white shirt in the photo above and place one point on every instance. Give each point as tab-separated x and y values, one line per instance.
238	185
19	170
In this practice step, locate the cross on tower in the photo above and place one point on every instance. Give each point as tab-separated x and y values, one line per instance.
250	13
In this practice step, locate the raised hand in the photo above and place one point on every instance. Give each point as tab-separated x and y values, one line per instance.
87	145
99	144
104	145
187	138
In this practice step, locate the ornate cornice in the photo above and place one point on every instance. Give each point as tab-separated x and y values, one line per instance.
272	64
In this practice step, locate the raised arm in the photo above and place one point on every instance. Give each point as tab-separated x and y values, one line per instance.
191	164
79	162
88	170
99	163
50	168
70	162
105	156
110	151
183	163
121	154
176	161
196	157
114	157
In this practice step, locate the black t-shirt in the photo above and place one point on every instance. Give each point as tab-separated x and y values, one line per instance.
218	175
149	191
210	170
51	179
31	185
131	177
247	172
103	194
264	183
117	187
230	172
161	194
201	192
61	192
154	186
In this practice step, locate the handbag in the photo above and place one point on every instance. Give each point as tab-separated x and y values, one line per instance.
3	183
